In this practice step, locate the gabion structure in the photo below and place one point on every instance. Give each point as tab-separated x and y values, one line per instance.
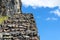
18	26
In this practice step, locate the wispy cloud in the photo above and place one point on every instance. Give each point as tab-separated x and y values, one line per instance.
51	18
41	3
56	12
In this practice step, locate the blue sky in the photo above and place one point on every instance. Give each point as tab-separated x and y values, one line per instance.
46	15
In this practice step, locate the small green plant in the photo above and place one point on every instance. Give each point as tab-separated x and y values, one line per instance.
2	18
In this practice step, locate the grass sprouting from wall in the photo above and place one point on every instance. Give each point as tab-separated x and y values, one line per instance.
2	18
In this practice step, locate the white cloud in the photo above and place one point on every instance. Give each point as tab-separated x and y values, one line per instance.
56	12
51	18
41	3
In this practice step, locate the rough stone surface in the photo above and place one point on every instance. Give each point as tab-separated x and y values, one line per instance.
18	26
